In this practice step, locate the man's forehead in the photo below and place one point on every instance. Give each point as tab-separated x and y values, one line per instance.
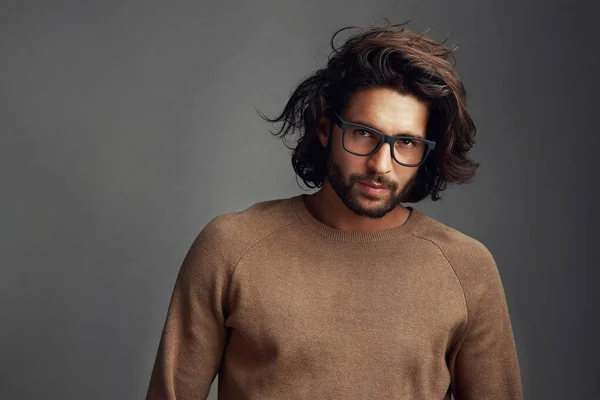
394	120
383	99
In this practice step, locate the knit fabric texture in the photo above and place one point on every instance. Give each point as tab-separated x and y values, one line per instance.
279	305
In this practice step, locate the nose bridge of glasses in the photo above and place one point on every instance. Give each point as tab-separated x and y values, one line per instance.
383	151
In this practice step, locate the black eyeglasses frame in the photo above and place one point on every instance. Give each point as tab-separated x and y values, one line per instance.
391	140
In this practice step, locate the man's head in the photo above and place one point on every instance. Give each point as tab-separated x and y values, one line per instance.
386	111
396	82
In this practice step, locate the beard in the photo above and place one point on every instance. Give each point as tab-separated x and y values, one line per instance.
351	197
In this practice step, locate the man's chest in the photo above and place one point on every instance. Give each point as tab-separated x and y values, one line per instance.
347	306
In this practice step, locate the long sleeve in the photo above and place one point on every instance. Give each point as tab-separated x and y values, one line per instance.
486	364
194	334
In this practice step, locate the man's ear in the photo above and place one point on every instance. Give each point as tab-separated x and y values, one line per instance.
324	130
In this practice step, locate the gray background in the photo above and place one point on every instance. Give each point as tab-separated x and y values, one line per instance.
126	126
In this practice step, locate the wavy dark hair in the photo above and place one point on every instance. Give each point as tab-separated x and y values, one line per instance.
389	56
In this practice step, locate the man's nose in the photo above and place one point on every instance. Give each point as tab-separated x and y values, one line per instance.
382	161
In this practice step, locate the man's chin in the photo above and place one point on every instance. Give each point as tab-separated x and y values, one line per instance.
376	208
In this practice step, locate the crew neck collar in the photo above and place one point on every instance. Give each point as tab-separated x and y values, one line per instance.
350	236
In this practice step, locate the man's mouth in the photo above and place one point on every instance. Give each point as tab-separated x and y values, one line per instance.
374	185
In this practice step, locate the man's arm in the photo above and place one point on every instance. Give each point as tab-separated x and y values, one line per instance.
194	334
486	365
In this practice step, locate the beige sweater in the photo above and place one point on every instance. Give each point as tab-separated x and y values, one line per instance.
282	306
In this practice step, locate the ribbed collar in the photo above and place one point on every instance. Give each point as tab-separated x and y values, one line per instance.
354	237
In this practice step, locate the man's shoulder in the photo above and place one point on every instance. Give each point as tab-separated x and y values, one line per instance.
464	253
241	229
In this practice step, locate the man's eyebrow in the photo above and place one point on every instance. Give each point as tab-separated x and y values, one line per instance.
366	125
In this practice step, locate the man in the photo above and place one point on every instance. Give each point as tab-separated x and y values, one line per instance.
345	293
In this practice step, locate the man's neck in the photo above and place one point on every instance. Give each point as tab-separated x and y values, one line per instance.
326	206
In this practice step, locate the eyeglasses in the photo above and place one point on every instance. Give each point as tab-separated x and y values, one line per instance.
363	140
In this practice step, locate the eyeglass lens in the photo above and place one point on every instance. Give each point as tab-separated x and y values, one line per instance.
362	142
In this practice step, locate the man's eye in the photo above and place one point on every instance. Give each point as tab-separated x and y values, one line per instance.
406	142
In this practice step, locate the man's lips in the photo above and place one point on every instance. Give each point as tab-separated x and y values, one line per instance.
373	185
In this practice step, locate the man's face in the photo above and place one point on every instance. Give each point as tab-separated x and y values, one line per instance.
389	112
